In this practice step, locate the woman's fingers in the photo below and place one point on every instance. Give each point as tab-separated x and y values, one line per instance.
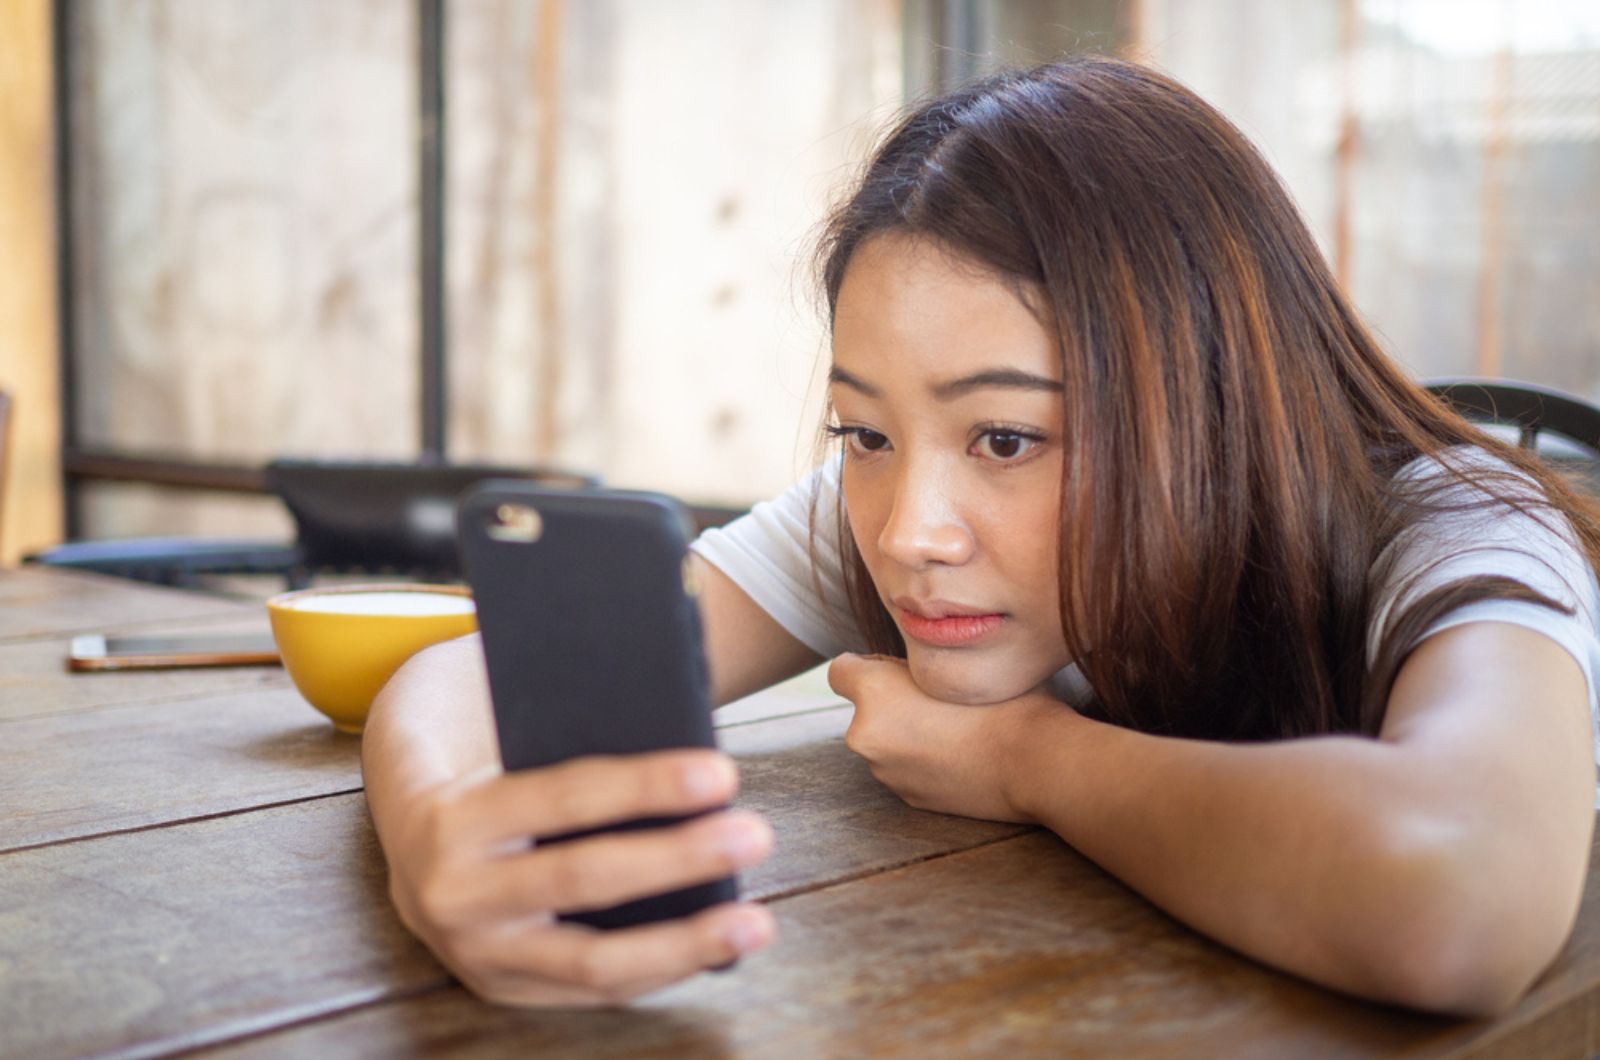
571	964
590	792
486	901
607	870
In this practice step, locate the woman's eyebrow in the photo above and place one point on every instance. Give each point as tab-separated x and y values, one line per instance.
843	378
1009	378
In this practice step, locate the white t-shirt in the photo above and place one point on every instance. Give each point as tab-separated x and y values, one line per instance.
768	553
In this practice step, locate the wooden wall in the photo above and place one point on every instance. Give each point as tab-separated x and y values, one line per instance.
32	507
631	191
631	187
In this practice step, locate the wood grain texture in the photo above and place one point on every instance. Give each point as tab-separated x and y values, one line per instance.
208	930
1020	948
197	871
35	680
75	775
43	601
833	819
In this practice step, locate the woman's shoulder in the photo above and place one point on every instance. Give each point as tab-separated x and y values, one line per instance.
1472	496
1467	467
1469	513
1466	498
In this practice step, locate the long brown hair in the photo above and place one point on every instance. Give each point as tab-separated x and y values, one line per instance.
1233	430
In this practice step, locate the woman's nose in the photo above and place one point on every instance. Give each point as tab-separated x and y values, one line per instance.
925	526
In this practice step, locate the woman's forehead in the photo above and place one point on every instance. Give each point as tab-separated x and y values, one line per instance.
911	305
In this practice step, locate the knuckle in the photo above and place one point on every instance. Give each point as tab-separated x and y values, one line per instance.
502	990
858	738
621	995
572	876
439	822
567	798
611	994
486	988
426	827
592	971
463	961
436	900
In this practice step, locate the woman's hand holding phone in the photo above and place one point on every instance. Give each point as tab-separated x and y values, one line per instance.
465	880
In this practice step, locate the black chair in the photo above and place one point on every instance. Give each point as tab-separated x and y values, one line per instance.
1561	428
388	519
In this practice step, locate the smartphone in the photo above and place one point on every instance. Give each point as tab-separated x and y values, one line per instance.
591	634
99	652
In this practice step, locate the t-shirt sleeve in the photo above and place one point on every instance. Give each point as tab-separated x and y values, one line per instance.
769	554
1535	546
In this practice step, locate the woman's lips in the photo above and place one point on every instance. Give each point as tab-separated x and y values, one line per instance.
952	631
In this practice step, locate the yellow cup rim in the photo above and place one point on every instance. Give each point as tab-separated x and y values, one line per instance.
285	601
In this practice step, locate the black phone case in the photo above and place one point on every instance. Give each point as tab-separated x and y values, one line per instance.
592	638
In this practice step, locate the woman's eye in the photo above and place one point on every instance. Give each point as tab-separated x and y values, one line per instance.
859	440
1004	445
865	441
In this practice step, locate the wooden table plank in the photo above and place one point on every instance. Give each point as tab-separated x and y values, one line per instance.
75	775
211	929
46	601
833	819
1018	948
35	681
179	932
93	772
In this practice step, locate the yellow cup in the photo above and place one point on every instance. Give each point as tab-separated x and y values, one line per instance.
340	644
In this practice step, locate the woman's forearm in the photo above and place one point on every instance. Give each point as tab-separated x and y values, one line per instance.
1336	858
431	724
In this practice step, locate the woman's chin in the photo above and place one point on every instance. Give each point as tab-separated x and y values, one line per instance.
967	677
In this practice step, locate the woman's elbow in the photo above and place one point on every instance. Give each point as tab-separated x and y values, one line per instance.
1460	979
1465	939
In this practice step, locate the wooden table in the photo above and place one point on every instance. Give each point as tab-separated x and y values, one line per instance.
186	863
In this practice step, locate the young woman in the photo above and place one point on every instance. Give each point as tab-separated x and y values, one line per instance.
1134	533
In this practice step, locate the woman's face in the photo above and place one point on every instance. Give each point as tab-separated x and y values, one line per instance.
947	391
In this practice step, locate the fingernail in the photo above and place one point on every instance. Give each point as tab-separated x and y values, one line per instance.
707	779
743	839
749	933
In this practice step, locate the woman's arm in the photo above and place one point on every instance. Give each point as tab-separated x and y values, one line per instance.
1439	866
454	828
745	648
